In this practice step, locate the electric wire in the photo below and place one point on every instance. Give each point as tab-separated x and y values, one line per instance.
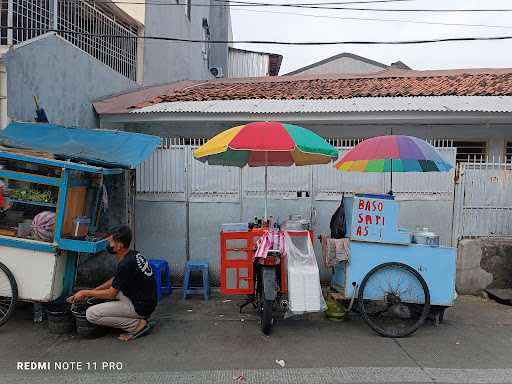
308	6
269	42
373	19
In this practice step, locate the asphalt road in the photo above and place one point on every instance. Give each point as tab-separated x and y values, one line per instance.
198	342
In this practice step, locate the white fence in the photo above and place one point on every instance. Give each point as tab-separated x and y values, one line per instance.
483	199
181	202
173	174
26	19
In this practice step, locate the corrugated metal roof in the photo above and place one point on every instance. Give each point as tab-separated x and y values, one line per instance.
356	104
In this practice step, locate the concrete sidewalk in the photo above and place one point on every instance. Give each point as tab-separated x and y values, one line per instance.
197	341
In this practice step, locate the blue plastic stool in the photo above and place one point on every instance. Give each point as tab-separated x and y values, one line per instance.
197	265
159	266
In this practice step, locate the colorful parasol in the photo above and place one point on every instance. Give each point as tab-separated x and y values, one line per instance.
266	143
263	144
393	153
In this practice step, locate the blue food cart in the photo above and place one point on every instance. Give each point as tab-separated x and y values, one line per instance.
396	283
59	174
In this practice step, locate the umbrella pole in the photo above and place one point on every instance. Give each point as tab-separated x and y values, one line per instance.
266	186
391	190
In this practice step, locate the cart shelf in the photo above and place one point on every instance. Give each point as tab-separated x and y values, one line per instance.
38	203
83	246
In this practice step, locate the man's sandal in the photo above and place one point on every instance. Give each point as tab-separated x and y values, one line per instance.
132	336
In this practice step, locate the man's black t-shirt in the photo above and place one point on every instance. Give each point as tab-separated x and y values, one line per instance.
135	279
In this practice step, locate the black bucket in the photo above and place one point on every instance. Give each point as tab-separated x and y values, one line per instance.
84	328
60	318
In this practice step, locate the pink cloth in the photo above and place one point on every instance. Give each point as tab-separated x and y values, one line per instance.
271	240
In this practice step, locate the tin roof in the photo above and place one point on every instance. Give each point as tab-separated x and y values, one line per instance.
357	104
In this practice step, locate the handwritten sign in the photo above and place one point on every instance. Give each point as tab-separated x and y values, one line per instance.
370	217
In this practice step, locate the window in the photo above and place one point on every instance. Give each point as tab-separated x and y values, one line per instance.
337	142
206	40
508	151
470	150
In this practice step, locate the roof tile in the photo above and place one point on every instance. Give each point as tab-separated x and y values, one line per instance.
391	82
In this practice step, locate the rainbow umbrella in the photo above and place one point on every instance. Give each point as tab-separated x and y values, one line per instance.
393	153
263	144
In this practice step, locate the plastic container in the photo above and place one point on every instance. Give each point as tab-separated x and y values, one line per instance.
24	229
426	237
60	318
81	226
84	328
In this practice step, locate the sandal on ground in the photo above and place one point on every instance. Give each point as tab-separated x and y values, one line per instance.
132	336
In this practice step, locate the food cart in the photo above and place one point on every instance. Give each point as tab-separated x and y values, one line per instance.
263	280
397	283
394	283
54	211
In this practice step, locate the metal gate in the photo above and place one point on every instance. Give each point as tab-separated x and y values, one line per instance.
483	199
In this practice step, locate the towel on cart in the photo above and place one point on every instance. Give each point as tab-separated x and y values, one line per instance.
271	240
335	251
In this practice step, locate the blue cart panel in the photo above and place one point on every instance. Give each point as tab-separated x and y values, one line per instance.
436	265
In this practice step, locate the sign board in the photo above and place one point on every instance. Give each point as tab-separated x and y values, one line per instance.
376	220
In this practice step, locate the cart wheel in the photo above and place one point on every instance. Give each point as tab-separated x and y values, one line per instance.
8	294
394	299
439	316
267	319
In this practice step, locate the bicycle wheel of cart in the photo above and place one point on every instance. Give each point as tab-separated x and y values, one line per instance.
8	294
394	299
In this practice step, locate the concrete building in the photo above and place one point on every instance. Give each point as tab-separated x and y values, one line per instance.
345	63
67	70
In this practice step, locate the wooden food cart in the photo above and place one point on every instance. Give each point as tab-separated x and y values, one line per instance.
41	266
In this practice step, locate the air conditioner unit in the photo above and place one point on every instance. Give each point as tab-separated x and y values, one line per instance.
216	72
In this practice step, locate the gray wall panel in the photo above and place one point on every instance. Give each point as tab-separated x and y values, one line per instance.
65	78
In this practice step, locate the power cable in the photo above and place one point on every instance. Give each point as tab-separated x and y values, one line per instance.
291	5
224	3
268	42
373	19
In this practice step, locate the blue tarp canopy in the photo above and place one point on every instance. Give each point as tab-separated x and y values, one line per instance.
94	146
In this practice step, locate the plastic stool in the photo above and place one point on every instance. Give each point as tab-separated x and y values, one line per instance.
159	266
197	265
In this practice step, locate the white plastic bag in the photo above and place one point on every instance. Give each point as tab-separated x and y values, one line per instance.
303	277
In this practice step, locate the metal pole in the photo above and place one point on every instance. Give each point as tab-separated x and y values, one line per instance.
266	191
266	184
391	190
241	194
10	19
188	180
55	22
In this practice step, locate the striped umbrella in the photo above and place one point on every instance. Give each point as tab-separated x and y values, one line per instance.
393	153
263	144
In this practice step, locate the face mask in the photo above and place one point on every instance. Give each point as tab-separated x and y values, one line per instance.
111	249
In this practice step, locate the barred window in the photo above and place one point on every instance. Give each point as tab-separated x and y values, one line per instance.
470	150
508	151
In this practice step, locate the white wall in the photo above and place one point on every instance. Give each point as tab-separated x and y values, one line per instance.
342	65
135	10
247	64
